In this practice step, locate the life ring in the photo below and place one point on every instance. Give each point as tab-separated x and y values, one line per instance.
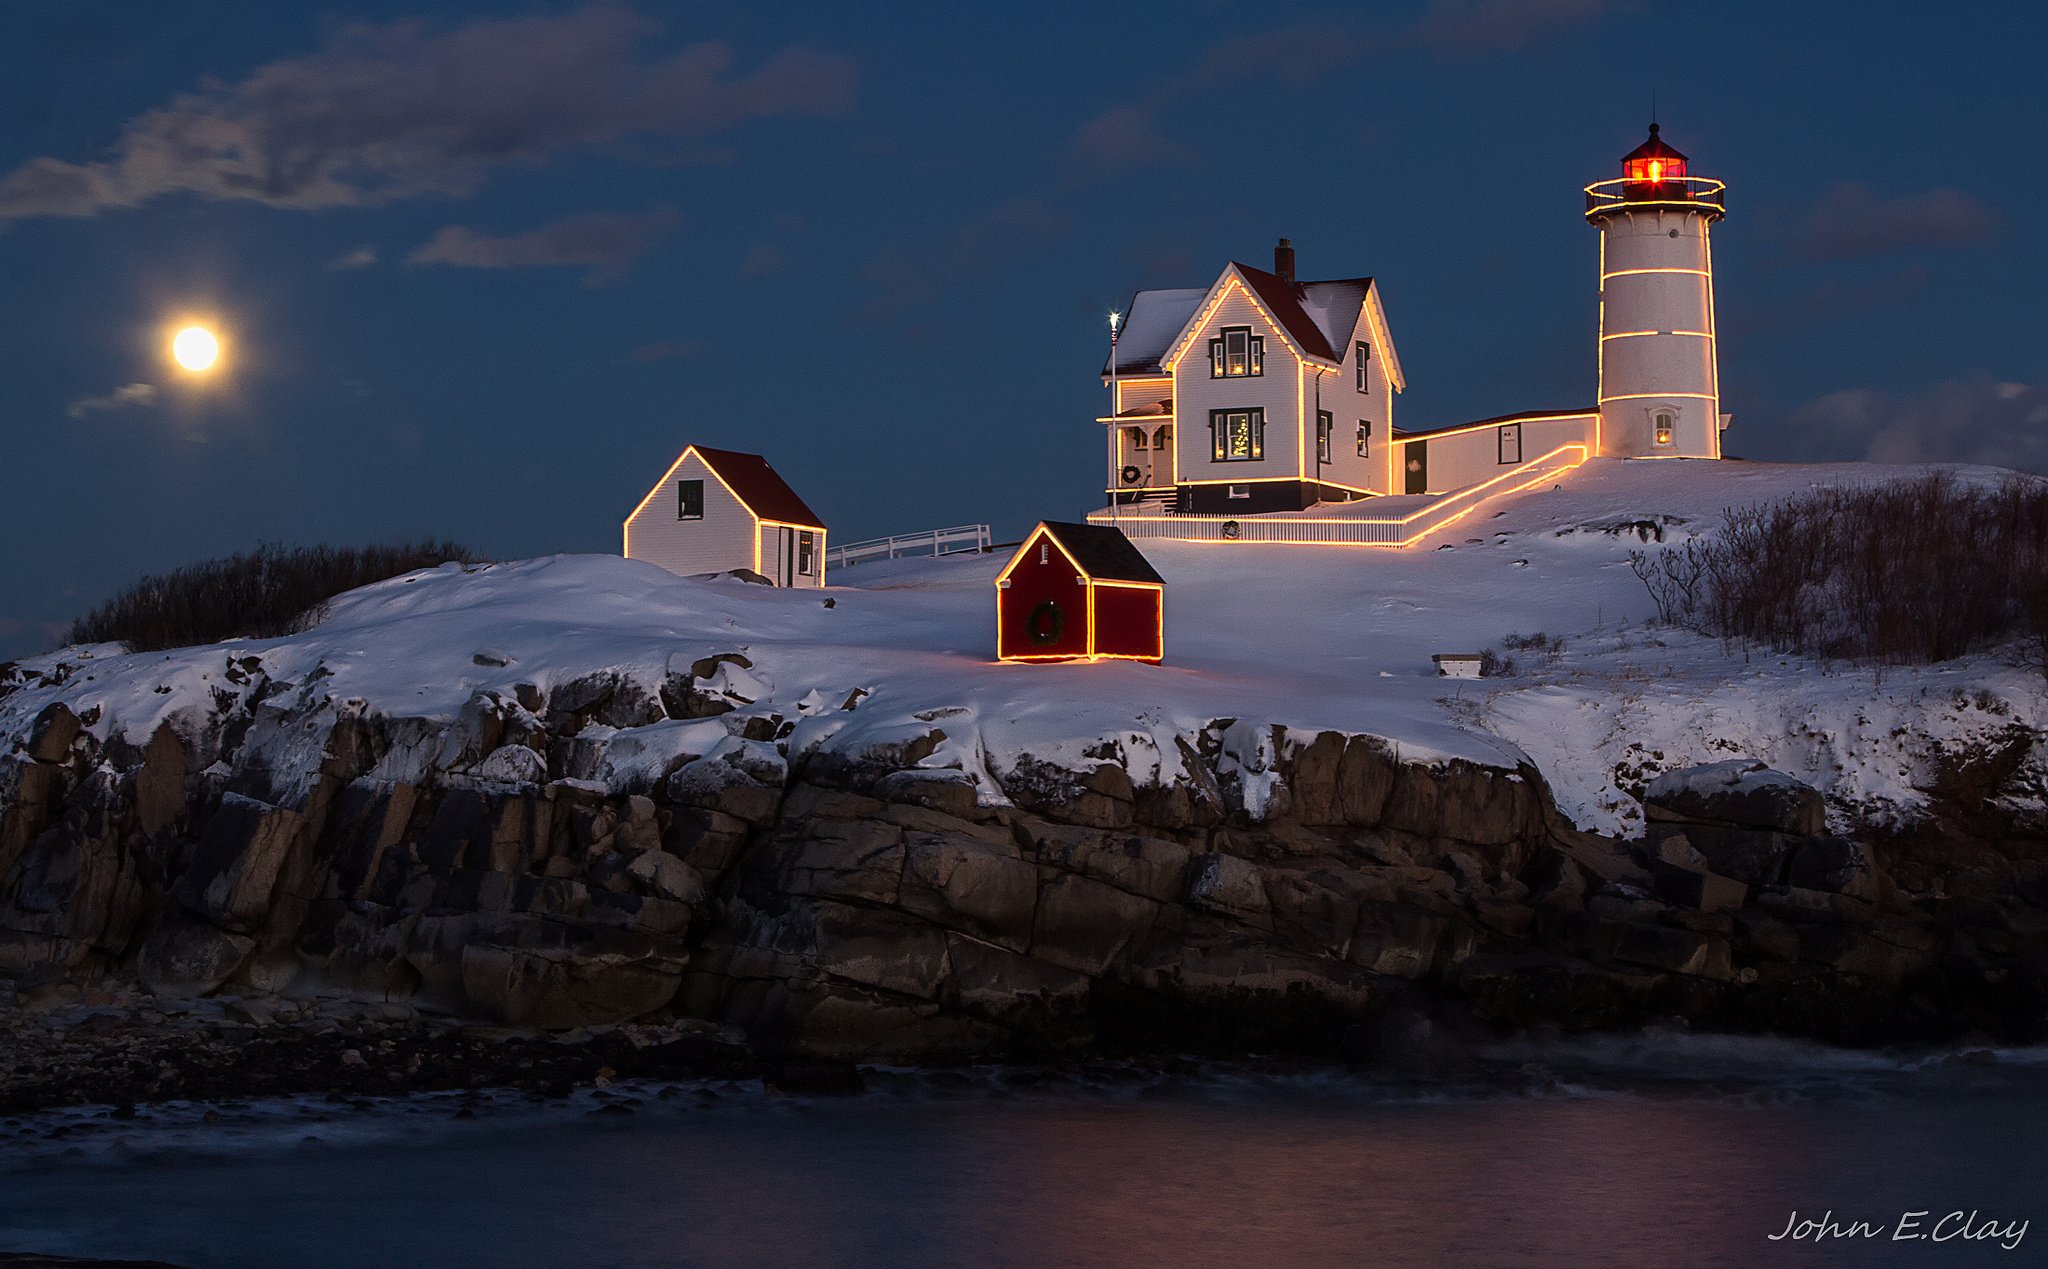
1231	531
1131	475
1046	623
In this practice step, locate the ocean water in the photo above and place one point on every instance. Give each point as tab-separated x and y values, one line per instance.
1665	1151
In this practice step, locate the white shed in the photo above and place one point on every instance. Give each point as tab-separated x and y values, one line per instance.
716	510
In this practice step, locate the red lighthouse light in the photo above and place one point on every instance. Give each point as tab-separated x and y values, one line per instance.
1652	163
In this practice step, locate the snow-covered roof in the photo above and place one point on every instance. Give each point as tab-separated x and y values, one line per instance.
1318	317
1154	320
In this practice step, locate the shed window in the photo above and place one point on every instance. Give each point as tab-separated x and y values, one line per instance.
1511	443
807	554
1236	353
1237	436
1361	356
689	500
1238	491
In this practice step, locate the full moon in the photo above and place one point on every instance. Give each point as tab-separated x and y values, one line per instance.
195	348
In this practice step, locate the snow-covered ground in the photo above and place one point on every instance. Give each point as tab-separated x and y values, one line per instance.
1309	638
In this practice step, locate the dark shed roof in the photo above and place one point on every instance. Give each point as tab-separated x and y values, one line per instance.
766	494
1103	552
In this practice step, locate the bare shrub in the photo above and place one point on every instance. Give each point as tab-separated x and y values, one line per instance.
1908	572
1492	665
266	592
1548	645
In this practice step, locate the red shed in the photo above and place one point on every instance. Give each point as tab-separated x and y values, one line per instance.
1079	592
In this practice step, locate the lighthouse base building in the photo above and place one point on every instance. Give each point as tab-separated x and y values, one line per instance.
1261	407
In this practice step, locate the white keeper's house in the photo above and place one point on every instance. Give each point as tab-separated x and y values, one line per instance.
1261	407
720	511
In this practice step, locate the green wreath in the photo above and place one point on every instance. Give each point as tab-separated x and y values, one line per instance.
1047	622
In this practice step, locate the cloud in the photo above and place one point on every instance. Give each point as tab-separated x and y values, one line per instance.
394	111
1128	134
909	277
1500	26
1298	55
1980	420
665	350
1851	220
604	242
764	260
360	258
128	396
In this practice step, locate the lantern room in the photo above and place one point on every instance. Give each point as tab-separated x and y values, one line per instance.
1652	163
1079	592
1654	176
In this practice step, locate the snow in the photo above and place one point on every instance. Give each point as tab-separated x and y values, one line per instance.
1257	636
1156	319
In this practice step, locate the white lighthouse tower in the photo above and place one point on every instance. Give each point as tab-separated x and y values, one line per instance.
1660	386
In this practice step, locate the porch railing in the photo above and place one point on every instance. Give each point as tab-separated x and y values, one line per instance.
1359	528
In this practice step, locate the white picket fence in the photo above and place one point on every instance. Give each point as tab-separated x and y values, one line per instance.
1359	523
959	539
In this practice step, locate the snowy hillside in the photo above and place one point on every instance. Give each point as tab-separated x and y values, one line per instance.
1307	639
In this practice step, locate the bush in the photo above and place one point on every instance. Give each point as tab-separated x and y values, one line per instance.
268	592
1909	572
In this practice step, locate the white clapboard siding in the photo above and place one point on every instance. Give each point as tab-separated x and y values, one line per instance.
1468	456
723	540
1276	391
1348	407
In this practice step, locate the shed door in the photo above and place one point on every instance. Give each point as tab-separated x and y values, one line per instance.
1415	457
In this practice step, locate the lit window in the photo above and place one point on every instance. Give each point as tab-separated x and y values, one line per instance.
1237	436
1361	356
1511	443
1236	353
689	500
806	553
1134	437
1666	422
1325	423
1364	436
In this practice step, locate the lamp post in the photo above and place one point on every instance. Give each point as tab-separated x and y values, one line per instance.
1116	320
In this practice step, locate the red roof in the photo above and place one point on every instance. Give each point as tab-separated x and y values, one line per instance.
1283	299
755	483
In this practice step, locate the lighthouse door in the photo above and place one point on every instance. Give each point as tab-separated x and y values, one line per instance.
1415	458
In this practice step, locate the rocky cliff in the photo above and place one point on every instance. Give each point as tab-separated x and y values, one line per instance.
532	863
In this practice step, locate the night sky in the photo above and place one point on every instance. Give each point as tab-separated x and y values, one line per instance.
484	269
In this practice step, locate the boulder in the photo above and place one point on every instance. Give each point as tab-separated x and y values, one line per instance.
51	733
1835	864
182	956
1230	887
1740	792
971	883
1697	888
1083	925
235	865
1754	857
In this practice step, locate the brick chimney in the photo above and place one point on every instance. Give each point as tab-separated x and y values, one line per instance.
1283	260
